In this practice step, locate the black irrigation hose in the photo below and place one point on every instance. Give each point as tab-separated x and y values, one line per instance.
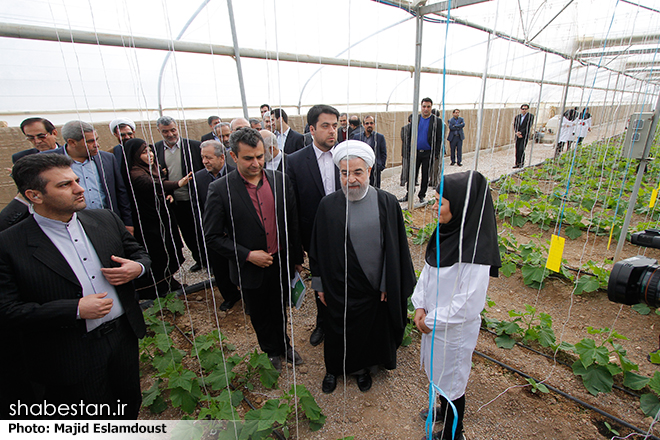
568	396
559	362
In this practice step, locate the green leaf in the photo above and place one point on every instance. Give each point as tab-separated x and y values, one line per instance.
272	412
596	378
650	404
655	357
590	353
573	232
211	359
641	308
546	337
159	405
176	306
654	383
170	358
186	400
183	380
586	283
187	430
533	276
218	379
565	346
505	341
634	381
268	376
163	342
508	268
509	328
149	396
613	431
518	221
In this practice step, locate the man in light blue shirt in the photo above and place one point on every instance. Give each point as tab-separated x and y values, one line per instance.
66	295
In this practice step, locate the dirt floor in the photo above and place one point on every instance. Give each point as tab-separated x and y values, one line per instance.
500	404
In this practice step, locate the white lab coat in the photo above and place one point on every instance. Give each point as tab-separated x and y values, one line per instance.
567	130
582	127
453	298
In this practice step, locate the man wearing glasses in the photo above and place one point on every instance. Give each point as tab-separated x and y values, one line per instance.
41	133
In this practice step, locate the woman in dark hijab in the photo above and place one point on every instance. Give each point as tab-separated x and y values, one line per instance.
155	225
451	291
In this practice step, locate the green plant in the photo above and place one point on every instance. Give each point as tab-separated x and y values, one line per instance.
424	233
537	386
527	326
594	364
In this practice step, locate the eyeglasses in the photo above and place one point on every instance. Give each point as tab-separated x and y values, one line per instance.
40	136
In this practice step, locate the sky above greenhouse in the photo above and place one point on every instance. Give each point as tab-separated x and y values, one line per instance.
61	78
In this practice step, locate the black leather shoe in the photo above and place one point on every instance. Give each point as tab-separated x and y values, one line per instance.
364	382
329	383
293	357
277	362
404	199
196	267
227	304
317	336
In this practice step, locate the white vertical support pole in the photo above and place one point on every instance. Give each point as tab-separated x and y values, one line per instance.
480	113
563	105
237	56
638	181
538	110
415	122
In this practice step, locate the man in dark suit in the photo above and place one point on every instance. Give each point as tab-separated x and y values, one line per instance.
98	170
342	130
251	220
66	293
377	142
405	151
212	121
41	133
124	130
354	126
213	157
16	211
522	127
288	139
430	140
456	137
274	158
180	157
313	176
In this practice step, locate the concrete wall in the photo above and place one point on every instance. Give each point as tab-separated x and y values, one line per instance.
497	132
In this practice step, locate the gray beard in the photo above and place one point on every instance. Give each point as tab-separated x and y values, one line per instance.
355	194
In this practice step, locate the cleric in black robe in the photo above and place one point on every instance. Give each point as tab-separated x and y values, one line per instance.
377	279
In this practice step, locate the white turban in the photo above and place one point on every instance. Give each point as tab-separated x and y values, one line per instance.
116	122
354	148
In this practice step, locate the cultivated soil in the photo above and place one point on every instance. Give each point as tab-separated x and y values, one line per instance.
500	404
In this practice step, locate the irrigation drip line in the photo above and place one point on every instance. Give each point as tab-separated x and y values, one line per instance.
520	344
568	396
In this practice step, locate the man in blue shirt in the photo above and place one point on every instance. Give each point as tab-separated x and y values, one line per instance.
430	139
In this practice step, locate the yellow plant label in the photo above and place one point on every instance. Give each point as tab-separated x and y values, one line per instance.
556	252
654	195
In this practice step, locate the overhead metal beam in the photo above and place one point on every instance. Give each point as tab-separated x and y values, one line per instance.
43	33
630	64
444	5
592	43
616	52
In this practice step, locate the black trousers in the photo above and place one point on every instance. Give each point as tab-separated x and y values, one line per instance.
521	144
113	377
268	311
424	160
220	267
191	230
449	416
456	146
